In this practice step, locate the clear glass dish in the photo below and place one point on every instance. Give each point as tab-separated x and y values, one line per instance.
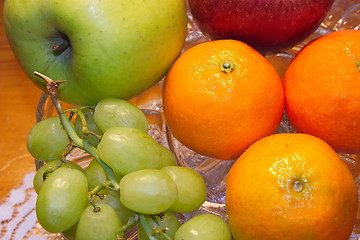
345	14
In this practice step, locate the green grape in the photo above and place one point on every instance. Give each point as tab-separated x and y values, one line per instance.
191	188
128	149
166	221
47	140
147	191
204	227
112	198
70	233
61	199
95	174
38	178
91	125
101	224
112	112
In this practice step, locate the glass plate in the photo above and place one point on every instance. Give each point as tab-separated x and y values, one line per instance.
345	14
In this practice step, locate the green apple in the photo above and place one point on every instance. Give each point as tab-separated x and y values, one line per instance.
112	48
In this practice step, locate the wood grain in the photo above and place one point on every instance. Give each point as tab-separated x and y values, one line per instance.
18	101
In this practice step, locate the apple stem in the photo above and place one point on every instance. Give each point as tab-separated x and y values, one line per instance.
227	67
52	87
58	49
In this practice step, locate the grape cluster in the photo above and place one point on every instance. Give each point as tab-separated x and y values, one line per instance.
131	180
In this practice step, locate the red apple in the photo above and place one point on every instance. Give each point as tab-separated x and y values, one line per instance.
269	26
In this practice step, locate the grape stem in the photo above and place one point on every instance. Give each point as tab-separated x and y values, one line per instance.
52	87
158	230
162	231
62	161
68	149
130	224
146	227
99	188
85	130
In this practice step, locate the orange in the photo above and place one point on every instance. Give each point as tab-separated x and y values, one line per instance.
322	90
291	186
221	96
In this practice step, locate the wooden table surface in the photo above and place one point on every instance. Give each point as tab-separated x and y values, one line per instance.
18	101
